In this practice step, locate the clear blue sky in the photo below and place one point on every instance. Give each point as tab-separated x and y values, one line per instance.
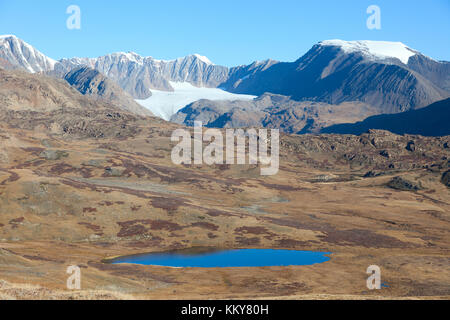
231	32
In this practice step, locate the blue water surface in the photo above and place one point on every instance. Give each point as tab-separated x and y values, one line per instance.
228	258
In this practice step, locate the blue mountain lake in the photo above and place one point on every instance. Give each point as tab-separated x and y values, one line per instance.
207	258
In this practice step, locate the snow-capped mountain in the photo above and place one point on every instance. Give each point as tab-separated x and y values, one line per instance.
386	75
174	83
17	54
162	86
136	74
375	50
335	82
139	75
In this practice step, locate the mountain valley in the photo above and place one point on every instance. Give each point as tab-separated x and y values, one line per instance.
86	173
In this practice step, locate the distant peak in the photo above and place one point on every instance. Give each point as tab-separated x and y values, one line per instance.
203	58
374	49
26	55
260	62
133	56
8	36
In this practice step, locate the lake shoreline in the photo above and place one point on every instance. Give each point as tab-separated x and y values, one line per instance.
201	257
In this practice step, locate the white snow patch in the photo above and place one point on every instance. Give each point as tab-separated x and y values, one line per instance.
7	36
160	60
130	56
375	49
203	58
165	104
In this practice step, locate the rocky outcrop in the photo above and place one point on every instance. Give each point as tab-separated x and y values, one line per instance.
53	154
400	183
446	178
272	111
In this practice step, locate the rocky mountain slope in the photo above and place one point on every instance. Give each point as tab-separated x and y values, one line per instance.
92	83
239	74
32	101
433	120
21	91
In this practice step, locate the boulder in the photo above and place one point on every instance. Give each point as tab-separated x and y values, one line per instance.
400	183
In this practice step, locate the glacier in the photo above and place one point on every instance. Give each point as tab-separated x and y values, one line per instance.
165	104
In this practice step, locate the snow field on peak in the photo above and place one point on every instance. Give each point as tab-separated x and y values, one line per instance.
24	56
374	49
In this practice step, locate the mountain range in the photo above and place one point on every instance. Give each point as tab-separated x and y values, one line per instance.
138	75
377	73
84	177
335	82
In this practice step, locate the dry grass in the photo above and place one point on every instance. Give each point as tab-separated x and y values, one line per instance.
14	291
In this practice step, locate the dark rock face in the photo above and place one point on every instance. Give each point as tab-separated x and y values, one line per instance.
238	75
372	174
437	72
411	146
92	83
385	154
400	183
446	178
429	121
